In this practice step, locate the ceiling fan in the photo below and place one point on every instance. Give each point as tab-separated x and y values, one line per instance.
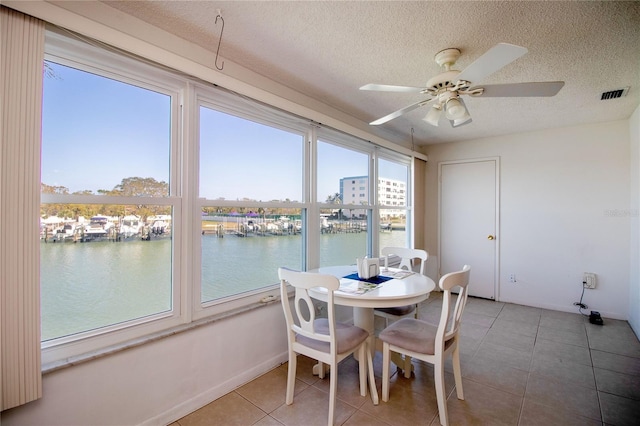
445	89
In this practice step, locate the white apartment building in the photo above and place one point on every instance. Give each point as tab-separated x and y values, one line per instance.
391	192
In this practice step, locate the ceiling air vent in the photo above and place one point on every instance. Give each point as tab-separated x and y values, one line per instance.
614	94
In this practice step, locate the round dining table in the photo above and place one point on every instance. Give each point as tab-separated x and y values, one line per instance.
400	290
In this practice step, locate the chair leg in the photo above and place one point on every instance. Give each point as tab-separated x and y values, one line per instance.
291	377
362	369
457	373
438	378
333	389
407	359
386	360
407	366
372	378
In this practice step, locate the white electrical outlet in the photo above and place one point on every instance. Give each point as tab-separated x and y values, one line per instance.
589	280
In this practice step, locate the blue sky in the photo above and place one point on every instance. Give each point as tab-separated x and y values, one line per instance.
97	131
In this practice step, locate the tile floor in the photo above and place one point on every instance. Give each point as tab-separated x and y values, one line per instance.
520	365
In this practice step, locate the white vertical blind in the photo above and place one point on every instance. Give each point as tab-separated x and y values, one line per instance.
21	66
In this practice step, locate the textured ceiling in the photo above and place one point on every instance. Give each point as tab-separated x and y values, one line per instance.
327	50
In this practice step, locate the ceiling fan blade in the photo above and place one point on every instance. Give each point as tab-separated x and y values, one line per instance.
491	61
399	112
547	88
388	88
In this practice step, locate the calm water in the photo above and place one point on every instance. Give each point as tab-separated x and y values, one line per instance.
86	286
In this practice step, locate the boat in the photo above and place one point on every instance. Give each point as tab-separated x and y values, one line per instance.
69	232
130	226
99	227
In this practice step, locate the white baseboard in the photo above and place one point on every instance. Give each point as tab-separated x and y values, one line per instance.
217	391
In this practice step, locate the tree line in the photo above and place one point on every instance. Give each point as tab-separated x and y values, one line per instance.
145	187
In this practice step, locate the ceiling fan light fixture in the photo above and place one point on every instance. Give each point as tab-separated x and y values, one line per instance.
454	109
460	121
433	116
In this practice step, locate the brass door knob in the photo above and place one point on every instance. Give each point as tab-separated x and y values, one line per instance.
490	237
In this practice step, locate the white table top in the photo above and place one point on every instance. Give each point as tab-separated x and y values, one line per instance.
404	291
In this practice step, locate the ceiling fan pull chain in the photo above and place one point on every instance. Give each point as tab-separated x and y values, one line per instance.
220	40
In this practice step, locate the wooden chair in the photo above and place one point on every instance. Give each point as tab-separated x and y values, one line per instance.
322	339
407	255
430	343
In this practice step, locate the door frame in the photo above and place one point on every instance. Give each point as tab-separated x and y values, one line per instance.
496	279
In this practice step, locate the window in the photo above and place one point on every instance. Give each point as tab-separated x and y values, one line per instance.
244	164
344	230
393	204
108	141
138	212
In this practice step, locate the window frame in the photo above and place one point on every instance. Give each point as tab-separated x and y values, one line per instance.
64	50
218	99
187	95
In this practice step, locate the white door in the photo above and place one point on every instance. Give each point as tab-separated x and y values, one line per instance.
469	222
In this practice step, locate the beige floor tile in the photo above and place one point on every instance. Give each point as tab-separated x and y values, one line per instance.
494	373
267	421
348	383
515	326
614	362
404	408
421	380
311	408
615	340
562	351
563	395
231	409
268	391
482	405
509	339
304	370
483	307
474	331
562	321
534	414
361	418
571	337
520	313
619	411
574	372
477	319
507	356
469	345
618	384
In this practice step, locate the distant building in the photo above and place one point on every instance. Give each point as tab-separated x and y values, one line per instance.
353	190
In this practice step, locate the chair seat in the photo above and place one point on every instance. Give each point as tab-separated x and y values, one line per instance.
412	334
398	310
348	336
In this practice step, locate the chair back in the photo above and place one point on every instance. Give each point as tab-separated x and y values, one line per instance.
305	314
406	257
449	324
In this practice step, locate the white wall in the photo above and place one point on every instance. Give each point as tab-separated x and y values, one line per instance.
559	189
634	287
162	381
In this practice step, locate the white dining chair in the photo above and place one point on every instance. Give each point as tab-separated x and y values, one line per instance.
430	343
407	256
322	339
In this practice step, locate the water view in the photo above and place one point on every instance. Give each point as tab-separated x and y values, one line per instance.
86	286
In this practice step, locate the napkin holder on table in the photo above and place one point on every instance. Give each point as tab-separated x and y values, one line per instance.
368	267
